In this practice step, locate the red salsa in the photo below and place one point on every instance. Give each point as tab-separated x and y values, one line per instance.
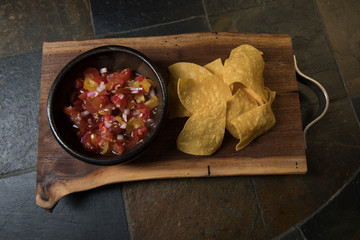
112	111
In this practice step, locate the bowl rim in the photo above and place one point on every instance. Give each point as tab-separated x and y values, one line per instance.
102	160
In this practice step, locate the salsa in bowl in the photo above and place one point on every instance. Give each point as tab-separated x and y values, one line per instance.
107	105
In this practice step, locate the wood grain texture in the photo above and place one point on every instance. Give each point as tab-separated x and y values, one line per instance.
280	151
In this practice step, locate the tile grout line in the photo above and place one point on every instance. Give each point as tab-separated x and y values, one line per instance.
318	210
17	172
285	233
332	198
316	6
97	36
91	17
127	215
206	15
301	233
335	57
259	4
148	27
260	208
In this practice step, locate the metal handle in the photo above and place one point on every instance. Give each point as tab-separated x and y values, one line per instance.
320	93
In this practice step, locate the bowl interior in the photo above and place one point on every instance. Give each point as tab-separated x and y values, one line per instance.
114	58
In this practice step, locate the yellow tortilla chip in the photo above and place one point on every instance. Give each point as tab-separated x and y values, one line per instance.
252	124
216	67
182	70
217	96
271	95
204	131
194	94
246	65
235	87
239	104
176	109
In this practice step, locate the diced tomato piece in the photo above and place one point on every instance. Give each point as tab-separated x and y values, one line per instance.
115	78
118	148
78	105
91	72
110	86
109	118
90	107
99	79
79	82
120	78
144	111
83	96
139	133
104	147
78	120
119	100
94	104
68	110
107	109
75	109
139	78
105	133
125	74
86	142
126	91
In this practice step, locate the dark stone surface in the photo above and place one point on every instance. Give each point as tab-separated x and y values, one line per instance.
118	16
343	27
196	24
96	214
333	157
356	103
25	25
260	207
221	6
301	20
340	218
19	110
293	234
203	208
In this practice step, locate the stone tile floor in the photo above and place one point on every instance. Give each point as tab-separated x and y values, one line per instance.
323	204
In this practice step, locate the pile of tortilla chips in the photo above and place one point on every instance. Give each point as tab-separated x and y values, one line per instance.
218	96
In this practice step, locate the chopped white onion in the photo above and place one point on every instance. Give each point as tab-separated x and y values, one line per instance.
78	118
126	111
84	113
124	116
152	92
123	125
102	87
120	137
107	124
149	121
103	70
92	94
136	90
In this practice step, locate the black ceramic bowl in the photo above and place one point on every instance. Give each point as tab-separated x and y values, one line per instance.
113	58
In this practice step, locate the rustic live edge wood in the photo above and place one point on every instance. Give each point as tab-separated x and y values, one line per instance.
280	151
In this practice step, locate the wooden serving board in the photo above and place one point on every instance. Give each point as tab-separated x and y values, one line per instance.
280	151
